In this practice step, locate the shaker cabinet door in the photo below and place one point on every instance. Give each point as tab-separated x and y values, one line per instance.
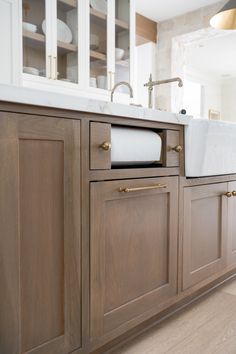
133	249
205	232
40	235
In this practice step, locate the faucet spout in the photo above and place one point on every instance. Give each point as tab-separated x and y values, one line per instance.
122	83
150	84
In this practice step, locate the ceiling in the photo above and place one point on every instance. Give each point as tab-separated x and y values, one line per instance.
160	10
216	56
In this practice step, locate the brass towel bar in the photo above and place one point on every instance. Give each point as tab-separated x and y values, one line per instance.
138	189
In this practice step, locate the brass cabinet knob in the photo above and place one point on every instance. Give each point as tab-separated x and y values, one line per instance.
106	146
234	193
229	194
178	148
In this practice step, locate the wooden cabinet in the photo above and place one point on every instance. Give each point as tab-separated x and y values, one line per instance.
232	225
40	302
133	249
205	232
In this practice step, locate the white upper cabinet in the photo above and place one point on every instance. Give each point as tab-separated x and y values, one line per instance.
36	43
79	46
124	36
50	41
10	58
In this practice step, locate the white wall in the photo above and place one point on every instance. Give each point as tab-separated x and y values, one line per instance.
228	99
146	64
167	31
211	90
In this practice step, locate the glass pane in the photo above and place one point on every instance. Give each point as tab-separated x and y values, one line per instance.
122	42
67	40
34	29
98	44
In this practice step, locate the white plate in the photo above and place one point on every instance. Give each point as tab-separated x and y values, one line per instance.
64	33
119	53
29	27
30	70
99	5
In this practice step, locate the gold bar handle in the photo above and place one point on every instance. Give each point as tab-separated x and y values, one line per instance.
139	189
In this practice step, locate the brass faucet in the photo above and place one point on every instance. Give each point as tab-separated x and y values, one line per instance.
150	84
122	83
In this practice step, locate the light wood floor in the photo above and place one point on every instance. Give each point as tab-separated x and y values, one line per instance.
205	327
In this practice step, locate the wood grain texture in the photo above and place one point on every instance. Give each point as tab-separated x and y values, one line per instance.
9	239
171	139
122	315
231	252
99	158
146	30
41	269
205	232
133	250
42	244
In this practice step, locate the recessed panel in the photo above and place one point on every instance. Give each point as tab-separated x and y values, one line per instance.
205	231
136	247
41	241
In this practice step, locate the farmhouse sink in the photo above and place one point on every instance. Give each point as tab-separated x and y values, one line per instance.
210	148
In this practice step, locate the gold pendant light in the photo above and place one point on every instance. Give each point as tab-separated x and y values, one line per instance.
226	18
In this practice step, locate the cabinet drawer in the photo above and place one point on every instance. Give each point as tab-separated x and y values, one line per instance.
171	148
100	150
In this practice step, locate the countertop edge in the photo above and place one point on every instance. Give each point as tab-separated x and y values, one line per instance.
21	95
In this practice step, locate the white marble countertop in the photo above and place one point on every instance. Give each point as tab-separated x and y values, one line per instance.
16	94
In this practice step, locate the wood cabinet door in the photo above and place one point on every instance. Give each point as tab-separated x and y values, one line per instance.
40	300
231	256
133	250
205	232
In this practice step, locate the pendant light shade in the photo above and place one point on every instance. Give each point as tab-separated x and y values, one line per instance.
226	18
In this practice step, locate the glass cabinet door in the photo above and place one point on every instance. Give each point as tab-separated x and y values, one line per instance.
34	37
98	44
122	42
66	67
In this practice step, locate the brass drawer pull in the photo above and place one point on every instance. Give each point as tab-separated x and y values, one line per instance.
177	148
106	146
228	194
138	189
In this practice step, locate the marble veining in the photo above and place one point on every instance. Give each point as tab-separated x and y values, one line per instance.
16	94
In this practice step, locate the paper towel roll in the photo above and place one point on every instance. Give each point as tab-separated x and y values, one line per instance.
132	146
